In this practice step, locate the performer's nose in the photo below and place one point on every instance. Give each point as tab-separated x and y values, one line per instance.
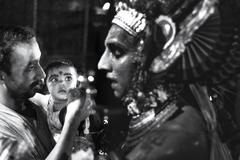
105	61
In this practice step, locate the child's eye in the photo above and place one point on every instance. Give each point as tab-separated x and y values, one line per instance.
68	78
53	80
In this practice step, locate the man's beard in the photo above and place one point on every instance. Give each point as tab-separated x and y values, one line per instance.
37	86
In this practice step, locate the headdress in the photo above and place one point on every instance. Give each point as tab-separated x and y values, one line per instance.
201	36
130	20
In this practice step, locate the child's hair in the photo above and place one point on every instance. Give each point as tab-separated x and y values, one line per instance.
58	63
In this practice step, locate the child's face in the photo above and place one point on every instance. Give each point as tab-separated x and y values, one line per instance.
60	80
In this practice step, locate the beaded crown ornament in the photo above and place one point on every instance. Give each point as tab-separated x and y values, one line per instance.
129	19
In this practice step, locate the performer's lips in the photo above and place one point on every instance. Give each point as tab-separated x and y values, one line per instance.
114	85
113	80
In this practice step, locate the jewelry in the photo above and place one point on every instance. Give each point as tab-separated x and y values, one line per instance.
131	21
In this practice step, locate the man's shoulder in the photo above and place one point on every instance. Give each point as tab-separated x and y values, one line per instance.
11	148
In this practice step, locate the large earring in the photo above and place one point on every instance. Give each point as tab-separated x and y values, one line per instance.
138	55
168	29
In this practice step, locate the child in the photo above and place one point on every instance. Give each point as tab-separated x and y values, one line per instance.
62	76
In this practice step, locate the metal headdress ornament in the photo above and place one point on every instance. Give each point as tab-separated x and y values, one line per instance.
192	23
129	19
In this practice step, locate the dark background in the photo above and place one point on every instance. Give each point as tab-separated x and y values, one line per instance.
73	29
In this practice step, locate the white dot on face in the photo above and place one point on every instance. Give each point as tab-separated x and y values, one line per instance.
106	6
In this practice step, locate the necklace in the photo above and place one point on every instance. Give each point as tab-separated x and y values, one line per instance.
148	121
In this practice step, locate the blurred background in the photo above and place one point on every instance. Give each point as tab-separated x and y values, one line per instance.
73	29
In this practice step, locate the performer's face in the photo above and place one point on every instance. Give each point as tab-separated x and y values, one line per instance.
26	74
117	60
60	80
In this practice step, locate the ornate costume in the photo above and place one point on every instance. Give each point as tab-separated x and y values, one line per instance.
181	48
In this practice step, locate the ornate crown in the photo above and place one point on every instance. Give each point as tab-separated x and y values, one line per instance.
130	20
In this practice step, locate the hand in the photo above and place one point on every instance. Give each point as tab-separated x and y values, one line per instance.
78	107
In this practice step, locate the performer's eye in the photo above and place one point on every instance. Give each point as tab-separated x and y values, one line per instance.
116	51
